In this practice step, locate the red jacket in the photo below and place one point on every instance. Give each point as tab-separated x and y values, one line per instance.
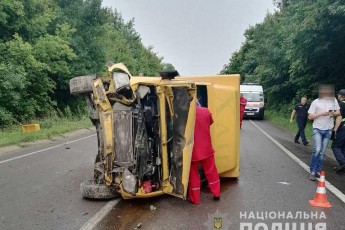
202	137
242	107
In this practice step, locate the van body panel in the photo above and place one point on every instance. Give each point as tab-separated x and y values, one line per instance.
223	103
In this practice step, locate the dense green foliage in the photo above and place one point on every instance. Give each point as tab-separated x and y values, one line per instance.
294	49
44	43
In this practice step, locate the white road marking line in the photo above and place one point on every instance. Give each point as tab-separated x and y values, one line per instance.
329	186
282	182
92	223
42	150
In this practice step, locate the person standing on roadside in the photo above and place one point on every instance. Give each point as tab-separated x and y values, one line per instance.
301	110
322	111
243	103
338	145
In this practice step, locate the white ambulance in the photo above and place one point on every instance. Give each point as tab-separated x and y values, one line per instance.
254	94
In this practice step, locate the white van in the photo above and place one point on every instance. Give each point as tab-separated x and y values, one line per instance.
254	94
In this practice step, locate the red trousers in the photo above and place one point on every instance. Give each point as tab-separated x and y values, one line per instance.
241	118
212	177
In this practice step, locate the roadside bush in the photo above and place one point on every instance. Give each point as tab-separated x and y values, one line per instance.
5	117
68	112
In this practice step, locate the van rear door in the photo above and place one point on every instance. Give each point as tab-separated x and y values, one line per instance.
178	114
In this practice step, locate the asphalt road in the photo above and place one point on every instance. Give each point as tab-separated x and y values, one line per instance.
270	181
41	190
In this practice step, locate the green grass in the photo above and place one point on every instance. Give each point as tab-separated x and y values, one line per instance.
50	127
283	120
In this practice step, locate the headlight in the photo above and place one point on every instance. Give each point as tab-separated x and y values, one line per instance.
120	79
129	182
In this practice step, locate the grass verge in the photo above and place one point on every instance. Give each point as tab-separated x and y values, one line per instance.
50	127
283	120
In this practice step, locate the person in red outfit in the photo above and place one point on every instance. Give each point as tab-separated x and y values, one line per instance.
243	103
203	154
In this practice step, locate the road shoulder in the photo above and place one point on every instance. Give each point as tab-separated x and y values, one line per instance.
7	150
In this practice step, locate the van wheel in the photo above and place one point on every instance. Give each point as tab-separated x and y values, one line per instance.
81	85
90	189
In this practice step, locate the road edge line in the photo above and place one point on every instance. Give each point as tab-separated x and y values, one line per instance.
330	187
92	223
42	150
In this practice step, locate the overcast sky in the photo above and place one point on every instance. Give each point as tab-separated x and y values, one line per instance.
196	36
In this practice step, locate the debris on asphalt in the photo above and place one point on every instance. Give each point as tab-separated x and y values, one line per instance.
84	213
282	182
138	226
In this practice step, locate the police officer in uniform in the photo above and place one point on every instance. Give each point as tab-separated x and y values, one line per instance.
301	110
338	145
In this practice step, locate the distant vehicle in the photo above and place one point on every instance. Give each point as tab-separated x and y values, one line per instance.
254	94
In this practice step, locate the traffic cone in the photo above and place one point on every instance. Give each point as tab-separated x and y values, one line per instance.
320	198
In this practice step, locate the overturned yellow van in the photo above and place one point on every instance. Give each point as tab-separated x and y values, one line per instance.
145	130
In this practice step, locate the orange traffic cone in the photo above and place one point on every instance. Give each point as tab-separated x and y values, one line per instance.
320	198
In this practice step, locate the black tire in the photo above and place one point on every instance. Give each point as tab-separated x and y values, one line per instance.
81	85
90	189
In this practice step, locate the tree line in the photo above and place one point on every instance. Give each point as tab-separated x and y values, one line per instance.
45	43
296	48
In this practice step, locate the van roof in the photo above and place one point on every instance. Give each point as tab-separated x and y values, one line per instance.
251	88
249	83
